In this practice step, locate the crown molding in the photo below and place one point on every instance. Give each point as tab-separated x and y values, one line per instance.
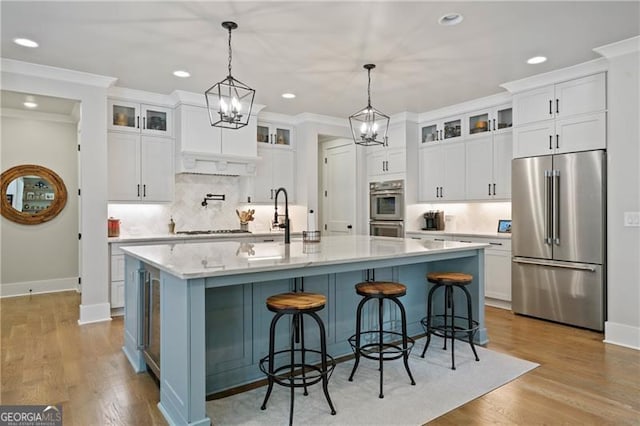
556	76
308	117
37	115
403	117
619	48
182	97
53	73
125	93
467	106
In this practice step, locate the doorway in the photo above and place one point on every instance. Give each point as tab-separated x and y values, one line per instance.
338	186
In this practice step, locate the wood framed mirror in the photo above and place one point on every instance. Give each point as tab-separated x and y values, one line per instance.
31	194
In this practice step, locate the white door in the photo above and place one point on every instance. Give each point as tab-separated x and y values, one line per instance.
431	169
479	177
502	154
283	163
454	172
339	196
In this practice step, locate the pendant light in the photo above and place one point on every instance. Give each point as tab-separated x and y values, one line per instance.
369	126
230	101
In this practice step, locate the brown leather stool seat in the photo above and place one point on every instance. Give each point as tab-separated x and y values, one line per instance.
377	348
448	325
295	371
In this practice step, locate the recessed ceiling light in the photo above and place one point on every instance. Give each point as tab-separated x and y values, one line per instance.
25	42
536	60
182	74
288	95
450	19
30	104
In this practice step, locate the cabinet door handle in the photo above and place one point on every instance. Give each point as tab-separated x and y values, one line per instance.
550	141
495	244
494	124
137	122
437	192
138	190
144	190
144	122
441	193
489	189
271	194
550	107
557	141
557	106
494	189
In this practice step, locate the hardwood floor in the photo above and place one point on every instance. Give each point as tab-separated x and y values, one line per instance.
47	358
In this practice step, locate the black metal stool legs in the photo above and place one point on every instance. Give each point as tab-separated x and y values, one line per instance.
428	319
405	340
357	336
471	325
323	362
272	342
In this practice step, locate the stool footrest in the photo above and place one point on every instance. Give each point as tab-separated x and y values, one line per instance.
390	350
438	326
312	372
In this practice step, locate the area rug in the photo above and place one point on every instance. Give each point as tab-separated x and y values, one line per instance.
438	390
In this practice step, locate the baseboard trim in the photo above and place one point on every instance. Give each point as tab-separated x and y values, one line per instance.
97	312
26	288
622	335
497	303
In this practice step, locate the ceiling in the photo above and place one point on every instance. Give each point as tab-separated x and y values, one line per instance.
49	104
317	49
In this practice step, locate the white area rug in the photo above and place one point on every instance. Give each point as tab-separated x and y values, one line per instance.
438	389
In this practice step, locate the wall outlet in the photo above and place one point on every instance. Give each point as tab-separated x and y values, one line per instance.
632	219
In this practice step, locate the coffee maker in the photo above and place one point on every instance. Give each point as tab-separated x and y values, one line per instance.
434	220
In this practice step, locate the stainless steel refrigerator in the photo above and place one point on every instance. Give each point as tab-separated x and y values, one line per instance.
558	238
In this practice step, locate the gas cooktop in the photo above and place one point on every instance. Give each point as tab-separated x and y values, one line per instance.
215	231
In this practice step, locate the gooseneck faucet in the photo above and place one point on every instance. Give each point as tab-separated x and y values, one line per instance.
287	231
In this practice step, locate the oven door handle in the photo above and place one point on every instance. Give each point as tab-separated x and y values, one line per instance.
387	223
389	192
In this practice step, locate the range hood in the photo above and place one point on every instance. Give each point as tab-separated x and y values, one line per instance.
203	149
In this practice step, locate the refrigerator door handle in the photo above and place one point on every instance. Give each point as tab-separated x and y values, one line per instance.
556	207
547	207
566	265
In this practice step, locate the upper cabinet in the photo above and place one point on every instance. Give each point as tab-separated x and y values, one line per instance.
274	134
482	122
441	172
135	117
389	160
559	118
447	129
275	169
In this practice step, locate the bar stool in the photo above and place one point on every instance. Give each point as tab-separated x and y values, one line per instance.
449	325
297	372
377	349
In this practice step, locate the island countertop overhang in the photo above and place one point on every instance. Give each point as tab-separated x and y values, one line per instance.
229	258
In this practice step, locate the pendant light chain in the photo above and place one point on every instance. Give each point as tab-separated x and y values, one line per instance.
229	50
369	88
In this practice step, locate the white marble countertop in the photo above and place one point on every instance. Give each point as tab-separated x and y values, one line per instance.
463	234
220	258
180	237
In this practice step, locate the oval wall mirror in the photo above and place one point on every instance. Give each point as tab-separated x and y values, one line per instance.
31	194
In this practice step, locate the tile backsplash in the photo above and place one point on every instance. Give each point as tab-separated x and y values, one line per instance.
461	217
189	214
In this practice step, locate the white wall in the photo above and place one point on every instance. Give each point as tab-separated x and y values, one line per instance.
623	195
41	257
475	218
91	91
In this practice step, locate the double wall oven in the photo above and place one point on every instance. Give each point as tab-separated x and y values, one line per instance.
386	208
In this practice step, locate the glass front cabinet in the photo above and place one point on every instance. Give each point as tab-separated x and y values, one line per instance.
489	120
448	129
274	134
140	118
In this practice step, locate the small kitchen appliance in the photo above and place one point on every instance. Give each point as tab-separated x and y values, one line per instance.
434	220
113	227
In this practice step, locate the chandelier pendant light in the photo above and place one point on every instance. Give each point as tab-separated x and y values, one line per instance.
229	101
369	126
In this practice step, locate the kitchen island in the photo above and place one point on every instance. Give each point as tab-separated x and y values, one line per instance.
213	319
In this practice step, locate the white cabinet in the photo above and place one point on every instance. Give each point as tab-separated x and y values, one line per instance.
274	134
488	174
488	120
428	237
386	161
441	172
275	169
140	168
446	129
126	116
564	117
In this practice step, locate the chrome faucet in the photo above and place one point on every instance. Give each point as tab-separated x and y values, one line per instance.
287	231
